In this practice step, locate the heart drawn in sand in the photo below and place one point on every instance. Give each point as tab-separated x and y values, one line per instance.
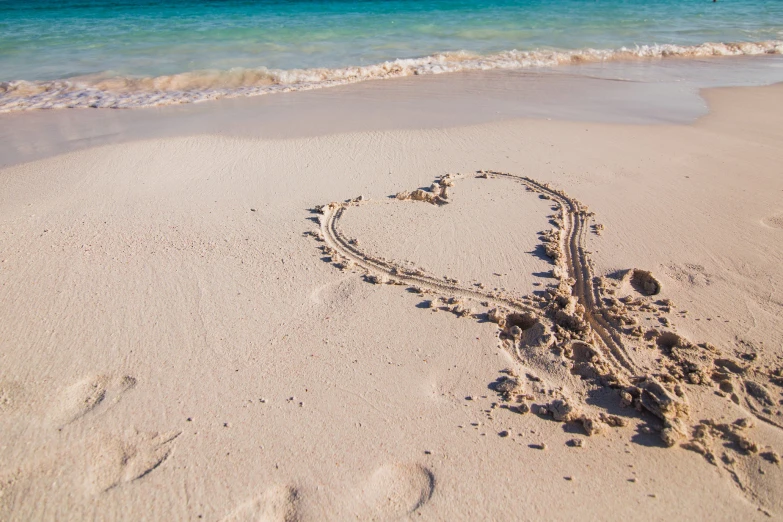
584	335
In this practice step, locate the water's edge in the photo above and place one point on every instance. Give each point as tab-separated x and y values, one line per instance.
632	92
199	86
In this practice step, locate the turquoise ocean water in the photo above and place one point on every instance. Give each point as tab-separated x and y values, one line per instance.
125	53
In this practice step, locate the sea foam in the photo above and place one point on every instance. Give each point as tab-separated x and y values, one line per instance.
100	91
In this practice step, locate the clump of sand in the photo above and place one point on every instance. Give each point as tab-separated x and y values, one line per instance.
643	282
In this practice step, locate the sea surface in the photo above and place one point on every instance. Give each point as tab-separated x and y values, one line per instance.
136	53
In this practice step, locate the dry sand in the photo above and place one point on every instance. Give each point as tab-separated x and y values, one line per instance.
187	333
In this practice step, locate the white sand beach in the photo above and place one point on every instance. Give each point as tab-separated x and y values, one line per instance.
187	334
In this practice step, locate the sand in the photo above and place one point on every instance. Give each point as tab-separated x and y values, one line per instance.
569	320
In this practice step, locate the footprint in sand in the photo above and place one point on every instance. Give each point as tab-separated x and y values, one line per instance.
277	504
119	461
690	274
76	470
85	463
392	492
90	395
396	490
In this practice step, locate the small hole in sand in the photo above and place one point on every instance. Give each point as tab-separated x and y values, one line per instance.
523	321
644	282
582	352
668	340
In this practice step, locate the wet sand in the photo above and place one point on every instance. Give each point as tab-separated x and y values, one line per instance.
638	92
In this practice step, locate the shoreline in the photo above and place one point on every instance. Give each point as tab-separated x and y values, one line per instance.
100	91
646	93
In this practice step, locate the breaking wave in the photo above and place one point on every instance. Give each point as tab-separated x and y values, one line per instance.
103	91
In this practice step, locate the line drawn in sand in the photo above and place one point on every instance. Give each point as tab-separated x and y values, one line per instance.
584	349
